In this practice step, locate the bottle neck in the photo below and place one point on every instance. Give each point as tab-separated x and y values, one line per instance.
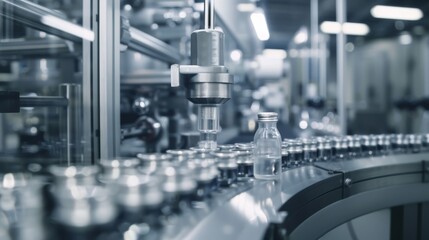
267	124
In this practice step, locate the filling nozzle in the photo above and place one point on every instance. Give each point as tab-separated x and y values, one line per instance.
206	79
208	125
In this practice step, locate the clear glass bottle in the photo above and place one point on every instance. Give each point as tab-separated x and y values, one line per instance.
267	151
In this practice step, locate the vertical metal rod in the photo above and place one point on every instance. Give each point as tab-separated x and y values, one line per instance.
71	124
341	63
109	78
314	41
425	121
87	88
209	14
323	66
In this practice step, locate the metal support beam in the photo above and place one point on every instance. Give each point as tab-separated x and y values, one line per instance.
314	26
90	101
44	19
341	64
144	43
43	101
34	48
109	77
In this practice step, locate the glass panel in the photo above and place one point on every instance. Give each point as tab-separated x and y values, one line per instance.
42	51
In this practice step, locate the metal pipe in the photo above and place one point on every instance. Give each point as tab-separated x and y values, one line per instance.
425	120
44	19
18	48
209	14
323	65
151	46
43	101
314	41
71	124
341	63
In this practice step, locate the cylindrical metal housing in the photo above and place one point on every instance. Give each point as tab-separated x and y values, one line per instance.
207	48
209	88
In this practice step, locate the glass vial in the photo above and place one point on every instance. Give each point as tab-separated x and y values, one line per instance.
267	151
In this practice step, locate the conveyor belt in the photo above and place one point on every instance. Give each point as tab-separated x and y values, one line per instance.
318	197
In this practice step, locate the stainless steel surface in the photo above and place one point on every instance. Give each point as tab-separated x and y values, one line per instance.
341	11
147	77
84	206
314	38
71	125
20	48
44	19
109	75
248	214
141	105
144	43
113	169
207	46
43	101
209	6
89	87
206	81
372	162
323	66
352	207
267	116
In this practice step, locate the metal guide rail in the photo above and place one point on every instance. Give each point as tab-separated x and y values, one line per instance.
200	194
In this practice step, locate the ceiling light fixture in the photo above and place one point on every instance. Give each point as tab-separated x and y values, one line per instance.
399	13
358	29
260	25
246	7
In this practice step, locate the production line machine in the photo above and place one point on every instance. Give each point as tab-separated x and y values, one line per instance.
110	122
211	194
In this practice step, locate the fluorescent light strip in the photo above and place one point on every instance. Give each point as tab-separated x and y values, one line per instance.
260	25
398	13
246	7
358	29
68	27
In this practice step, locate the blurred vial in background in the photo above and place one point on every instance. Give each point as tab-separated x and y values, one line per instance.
267	152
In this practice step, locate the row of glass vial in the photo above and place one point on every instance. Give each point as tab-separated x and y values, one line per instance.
272	156
296	152
147	190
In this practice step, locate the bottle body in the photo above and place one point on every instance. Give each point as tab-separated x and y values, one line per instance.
267	151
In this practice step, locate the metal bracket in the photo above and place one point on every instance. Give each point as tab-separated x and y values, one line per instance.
178	70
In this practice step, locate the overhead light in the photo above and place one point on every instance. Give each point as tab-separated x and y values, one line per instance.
246	7
301	36
260	25
348	28
275	53
68	27
399	13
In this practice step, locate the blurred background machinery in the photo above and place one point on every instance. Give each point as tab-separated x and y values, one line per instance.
282	56
85	81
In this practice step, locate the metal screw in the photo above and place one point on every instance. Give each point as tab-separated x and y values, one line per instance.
348	182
